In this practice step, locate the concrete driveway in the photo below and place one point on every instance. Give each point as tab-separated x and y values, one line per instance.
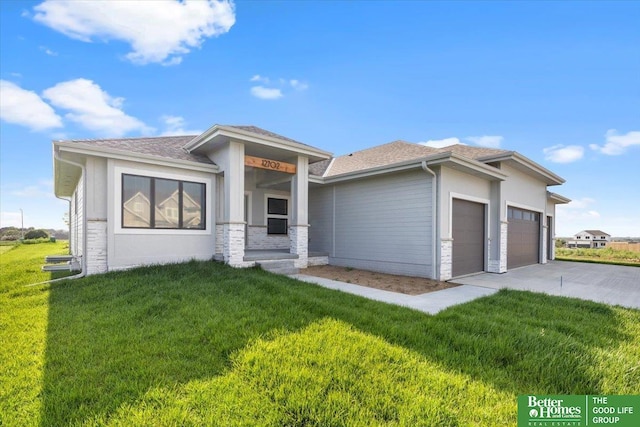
610	284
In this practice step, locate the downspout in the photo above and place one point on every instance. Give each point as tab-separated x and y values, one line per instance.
434	211
83	271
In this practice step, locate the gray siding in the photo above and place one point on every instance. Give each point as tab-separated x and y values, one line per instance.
381	223
320	219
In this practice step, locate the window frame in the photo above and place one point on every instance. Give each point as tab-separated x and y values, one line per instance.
284	217
152	203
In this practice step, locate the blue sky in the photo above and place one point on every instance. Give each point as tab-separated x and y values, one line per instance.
556	81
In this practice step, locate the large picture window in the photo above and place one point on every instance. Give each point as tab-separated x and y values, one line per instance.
149	202
277	216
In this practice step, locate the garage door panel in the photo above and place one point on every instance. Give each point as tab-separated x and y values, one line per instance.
523	239
468	225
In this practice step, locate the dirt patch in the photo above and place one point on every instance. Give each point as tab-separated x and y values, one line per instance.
388	282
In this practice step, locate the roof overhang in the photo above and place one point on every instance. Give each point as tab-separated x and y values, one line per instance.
466	165
66	175
557	198
523	164
446	159
219	135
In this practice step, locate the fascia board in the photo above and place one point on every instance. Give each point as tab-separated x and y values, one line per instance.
365	173
200	139
557	198
441	159
448	159
239	134
552	178
136	157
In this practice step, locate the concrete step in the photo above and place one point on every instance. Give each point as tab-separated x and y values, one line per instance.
284	266
54	259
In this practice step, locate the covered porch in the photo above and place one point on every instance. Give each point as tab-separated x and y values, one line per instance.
261	195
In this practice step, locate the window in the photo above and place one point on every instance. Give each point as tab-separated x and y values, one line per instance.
277	216
176	204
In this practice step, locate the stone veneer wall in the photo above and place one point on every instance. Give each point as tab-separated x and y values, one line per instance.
500	265
219	238
299	239
233	244
446	253
504	238
259	239
544	244
96	251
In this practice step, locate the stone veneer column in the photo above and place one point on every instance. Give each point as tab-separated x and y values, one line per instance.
504	234
545	248
96	250
299	229
446	261
299	241
233	247
233	223
499	265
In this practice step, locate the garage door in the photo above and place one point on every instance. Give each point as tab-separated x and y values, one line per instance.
468	237
523	242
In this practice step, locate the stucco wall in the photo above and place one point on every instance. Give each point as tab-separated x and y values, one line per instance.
455	184
523	191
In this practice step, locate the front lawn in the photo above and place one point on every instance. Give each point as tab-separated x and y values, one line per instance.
204	344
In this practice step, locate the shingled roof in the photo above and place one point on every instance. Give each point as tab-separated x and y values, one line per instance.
169	147
263	132
394	152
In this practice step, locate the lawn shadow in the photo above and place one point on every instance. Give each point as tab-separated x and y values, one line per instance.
112	337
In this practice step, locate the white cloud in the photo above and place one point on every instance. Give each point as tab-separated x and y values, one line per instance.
175	125
563	154
266	93
577	210
158	31
93	108
579	214
260	79
48	51
26	108
33	191
298	85
616	144
440	143
489	141
274	88
10	219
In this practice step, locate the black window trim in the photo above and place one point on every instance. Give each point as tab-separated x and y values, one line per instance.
152	197
284	217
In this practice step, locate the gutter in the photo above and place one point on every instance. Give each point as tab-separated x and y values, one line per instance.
83	270
434	211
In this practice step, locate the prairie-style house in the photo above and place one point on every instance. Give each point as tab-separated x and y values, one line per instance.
589	239
242	195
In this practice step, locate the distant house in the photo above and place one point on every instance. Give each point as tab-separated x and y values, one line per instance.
589	239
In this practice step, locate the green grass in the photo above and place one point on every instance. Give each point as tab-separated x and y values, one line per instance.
600	256
204	344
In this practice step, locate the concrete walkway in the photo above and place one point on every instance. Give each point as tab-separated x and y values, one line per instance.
431	302
609	284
